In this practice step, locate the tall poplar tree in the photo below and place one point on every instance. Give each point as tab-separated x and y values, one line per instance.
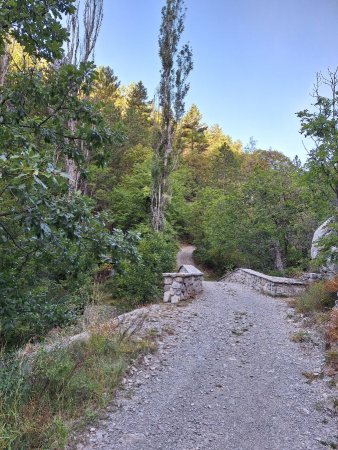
176	66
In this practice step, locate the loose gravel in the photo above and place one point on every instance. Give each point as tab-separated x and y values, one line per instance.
226	376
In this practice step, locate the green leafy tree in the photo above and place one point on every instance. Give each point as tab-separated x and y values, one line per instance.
51	239
35	25
321	126
263	217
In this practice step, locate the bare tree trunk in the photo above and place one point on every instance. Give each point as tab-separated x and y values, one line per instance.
279	260
71	167
73	174
158	207
79	50
4	64
162	170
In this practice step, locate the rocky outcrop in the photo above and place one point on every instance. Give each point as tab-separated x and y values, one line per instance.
322	231
181	285
330	269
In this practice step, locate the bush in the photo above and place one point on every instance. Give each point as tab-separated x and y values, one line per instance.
331	333
141	281
54	285
332	359
316	298
30	313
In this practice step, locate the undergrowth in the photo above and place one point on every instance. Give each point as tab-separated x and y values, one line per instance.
316	303
315	299
42	397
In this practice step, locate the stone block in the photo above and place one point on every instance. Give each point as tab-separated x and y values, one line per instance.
166	297
175	299
176	285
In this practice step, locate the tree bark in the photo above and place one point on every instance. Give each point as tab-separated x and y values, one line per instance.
4	64
279	260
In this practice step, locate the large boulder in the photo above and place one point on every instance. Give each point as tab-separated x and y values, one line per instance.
324	230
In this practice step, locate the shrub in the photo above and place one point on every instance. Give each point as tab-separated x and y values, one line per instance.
54	286
141	281
315	298
331	333
332	358
332	285
301	336
30	314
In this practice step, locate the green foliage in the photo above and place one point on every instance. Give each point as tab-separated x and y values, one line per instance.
36	25
328	254
44	395
142	282
321	125
179	213
261	214
130	199
51	287
176	63
315	299
50	238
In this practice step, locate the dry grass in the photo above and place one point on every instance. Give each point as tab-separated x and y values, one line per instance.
332	285
315	299
43	396
311	376
331	333
300	336
332	359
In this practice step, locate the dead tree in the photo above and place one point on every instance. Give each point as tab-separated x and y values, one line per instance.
4	63
83	36
80	49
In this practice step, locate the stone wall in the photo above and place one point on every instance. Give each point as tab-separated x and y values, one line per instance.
274	286
181	285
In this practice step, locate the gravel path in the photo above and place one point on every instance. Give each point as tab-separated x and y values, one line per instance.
226	377
184	256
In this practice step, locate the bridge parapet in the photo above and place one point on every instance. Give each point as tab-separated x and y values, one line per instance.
181	285
274	286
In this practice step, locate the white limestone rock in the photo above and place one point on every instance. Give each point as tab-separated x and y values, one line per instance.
330	269
166	297
322	231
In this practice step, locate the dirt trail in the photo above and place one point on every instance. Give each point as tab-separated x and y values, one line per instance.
184	256
226	377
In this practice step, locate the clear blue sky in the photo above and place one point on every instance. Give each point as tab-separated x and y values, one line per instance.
255	61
